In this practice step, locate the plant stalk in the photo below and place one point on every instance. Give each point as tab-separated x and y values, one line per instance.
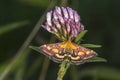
63	69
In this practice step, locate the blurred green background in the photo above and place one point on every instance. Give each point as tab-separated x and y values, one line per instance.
18	18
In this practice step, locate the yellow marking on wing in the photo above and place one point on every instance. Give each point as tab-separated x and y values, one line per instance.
68	44
73	46
55	50
74	58
62	45
59	56
48	47
80	53
88	52
44	45
92	51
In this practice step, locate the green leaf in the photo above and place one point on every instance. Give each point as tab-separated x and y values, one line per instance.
91	45
80	36
35	48
12	26
96	59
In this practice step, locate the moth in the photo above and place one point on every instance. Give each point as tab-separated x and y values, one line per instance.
67	51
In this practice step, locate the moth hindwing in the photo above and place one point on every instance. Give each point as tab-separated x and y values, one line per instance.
69	52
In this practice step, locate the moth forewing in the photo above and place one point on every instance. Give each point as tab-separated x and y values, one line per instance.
72	53
53	51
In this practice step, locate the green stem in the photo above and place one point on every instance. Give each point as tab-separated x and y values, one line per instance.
63	68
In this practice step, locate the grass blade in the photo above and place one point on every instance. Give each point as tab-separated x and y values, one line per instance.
9	27
96	59
35	48
91	45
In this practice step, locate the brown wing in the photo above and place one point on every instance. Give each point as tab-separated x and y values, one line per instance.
75	54
80	54
53	51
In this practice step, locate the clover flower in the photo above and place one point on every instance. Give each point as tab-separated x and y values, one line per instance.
64	23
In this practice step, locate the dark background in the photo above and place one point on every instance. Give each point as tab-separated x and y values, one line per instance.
17	19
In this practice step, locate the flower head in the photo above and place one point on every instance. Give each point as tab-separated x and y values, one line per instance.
64	23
